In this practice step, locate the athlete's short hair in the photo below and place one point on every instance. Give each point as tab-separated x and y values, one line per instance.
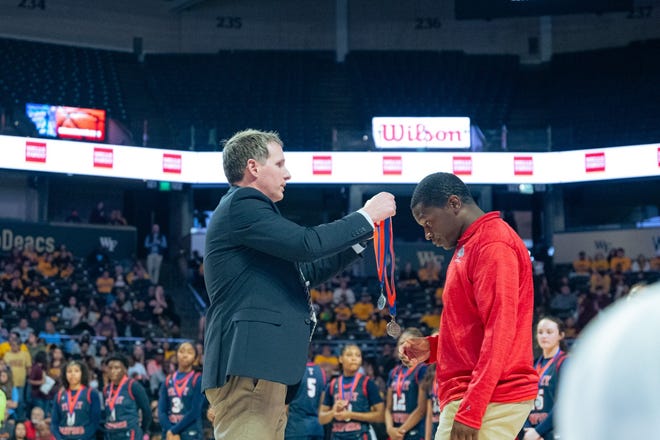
435	189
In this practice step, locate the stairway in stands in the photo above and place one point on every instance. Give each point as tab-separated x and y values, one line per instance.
334	100
185	303
141	102
529	117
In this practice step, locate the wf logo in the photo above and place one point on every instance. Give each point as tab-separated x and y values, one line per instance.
108	243
602	245
427	256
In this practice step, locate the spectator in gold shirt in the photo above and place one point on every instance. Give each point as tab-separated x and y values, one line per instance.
335	327
432	318
363	309
321	295
46	267
105	283
376	326
582	265
655	262
600	263
600	279
138	273
35	292
5	347
327	360
67	271
620	259
343	312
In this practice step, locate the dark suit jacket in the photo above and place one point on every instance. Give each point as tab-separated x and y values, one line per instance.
258	324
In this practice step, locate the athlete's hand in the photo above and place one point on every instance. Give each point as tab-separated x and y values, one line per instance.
401	432
414	351
394	434
339	410
460	431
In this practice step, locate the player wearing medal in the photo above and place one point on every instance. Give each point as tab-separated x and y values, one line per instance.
485	373
77	409
180	398
125	398
550	336
351	401
405	406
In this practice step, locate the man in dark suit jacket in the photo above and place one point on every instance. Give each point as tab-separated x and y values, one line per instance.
258	267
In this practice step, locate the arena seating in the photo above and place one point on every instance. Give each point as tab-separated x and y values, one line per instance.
306	94
234	90
60	75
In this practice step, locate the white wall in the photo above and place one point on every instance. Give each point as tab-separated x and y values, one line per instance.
633	241
17	199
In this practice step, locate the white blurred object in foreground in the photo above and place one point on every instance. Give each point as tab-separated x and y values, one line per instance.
611	386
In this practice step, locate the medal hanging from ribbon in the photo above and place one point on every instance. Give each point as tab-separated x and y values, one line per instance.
71	402
354	384
348	400
538	402
401	378
181	384
384	249
112	398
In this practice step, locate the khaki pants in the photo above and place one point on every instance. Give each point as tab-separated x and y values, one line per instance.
243	410
502	421
153	266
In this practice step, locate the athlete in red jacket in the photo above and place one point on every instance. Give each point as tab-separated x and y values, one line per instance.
485	374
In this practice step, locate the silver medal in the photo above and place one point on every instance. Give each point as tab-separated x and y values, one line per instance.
71	419
393	329
381	302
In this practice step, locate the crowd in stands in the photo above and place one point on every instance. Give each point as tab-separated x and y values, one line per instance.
57	307
347	306
579	292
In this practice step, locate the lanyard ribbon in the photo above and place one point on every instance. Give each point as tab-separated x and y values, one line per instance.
181	384
71	401
384	249
356	379
543	370
401	378
112	397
